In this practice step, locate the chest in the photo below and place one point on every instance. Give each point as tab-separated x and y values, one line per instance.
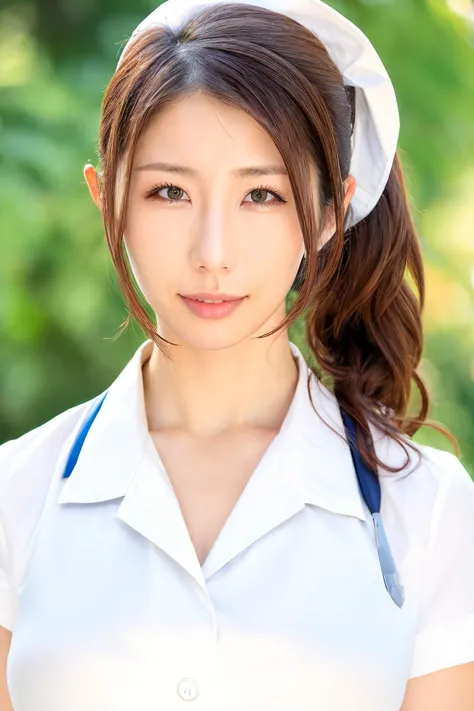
299	619
208	477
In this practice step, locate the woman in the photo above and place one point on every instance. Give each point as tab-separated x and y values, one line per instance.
209	529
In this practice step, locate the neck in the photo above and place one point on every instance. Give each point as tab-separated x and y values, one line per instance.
212	392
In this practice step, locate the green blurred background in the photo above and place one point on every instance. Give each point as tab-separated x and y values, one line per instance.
60	305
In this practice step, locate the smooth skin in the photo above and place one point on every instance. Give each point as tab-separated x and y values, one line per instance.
223	385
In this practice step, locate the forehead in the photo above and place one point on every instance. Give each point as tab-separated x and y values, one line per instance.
204	128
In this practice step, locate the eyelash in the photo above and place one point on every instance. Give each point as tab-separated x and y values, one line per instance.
280	200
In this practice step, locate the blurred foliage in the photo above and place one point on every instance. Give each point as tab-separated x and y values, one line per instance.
60	305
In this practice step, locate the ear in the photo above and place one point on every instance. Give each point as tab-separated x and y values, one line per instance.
90	175
328	232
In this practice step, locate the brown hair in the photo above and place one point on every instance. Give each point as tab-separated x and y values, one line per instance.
363	321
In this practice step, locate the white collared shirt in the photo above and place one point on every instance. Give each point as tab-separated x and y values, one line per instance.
110	608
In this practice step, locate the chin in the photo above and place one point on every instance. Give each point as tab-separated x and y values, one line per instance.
213	339
215	335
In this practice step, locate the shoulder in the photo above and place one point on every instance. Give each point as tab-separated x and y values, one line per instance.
453	481
430	474
452	519
423	468
27	465
35	450
432	485
443	466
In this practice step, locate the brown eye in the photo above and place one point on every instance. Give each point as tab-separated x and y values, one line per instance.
259	195
174	193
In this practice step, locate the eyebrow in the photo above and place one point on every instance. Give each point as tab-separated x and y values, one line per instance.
239	173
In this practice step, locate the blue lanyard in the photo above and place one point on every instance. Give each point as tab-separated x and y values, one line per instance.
368	482
370	487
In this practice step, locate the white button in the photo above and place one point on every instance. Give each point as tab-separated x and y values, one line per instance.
188	689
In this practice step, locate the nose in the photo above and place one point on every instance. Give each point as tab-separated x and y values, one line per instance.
214	247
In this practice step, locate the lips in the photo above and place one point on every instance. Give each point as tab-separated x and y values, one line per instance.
212	310
211	297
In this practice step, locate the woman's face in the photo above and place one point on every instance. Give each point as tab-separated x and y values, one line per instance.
220	227
214	230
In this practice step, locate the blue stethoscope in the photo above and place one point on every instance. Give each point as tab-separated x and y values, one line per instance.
368	482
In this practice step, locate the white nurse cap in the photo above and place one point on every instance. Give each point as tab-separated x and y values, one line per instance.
377	120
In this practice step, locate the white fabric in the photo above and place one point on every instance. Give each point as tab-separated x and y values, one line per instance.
377	119
110	609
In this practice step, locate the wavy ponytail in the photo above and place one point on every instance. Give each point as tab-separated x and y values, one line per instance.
365	326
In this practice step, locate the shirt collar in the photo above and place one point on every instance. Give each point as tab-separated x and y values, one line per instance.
314	461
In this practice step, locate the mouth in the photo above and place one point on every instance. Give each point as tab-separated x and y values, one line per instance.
215	308
210	298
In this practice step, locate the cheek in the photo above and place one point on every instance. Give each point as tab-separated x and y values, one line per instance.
152	244
149	258
155	265
278	249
